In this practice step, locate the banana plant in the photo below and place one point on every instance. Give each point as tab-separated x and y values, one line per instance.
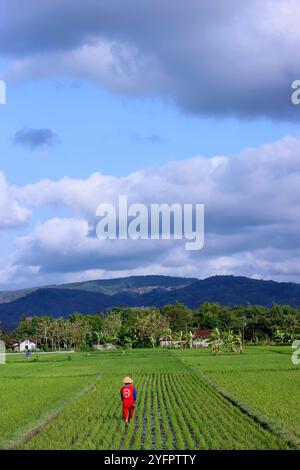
233	341
216	342
128	342
189	339
178	338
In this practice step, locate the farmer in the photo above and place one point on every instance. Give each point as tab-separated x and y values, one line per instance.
128	397
27	353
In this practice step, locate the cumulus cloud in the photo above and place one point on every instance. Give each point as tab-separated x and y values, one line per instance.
256	187
12	213
252	224
211	57
68	245
34	138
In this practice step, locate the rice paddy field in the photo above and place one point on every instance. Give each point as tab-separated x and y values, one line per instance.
187	399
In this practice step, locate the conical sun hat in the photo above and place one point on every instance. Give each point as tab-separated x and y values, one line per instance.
127	380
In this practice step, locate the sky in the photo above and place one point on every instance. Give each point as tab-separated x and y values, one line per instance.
165	102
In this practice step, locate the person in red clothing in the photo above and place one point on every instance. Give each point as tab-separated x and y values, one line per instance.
128	397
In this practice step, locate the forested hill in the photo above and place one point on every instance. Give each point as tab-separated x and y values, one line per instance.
100	295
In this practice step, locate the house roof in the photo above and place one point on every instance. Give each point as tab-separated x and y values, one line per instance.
199	333
27	341
9	343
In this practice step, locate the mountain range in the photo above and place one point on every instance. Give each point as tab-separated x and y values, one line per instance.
136	291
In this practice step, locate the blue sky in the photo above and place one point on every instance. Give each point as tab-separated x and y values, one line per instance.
162	106
113	134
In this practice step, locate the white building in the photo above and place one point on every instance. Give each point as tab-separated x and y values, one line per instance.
27	344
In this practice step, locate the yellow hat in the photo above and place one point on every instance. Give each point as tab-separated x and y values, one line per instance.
127	380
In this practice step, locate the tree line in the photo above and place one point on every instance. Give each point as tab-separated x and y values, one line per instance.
142	327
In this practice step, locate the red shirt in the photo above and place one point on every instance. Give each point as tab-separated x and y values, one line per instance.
128	394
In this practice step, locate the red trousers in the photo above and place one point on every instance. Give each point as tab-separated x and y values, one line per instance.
128	412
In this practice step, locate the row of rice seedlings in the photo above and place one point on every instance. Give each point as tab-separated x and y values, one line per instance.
215	419
102	416
212	415
147	441
191	412
166	424
209	414
280	386
156	415
115	436
237	430
18	418
89	414
179	406
49	425
137	427
113	425
111	417
173	415
73	427
235	424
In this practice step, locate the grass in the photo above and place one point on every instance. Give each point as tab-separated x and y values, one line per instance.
186	400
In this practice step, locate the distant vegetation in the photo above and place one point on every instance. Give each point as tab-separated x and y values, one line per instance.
144	291
142	327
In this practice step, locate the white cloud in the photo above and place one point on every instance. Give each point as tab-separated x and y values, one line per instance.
252	221
256	187
12	214
66	245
